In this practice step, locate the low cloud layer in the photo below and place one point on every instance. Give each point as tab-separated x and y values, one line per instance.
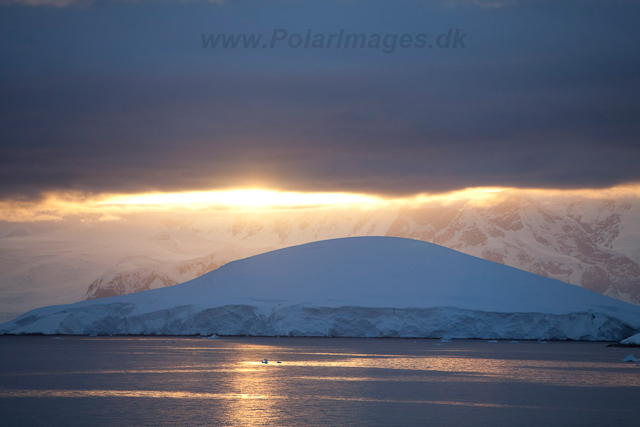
125	99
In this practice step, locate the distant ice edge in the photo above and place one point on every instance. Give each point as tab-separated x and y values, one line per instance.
315	321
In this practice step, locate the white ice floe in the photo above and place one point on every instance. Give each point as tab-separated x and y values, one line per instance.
358	287
630	358
212	337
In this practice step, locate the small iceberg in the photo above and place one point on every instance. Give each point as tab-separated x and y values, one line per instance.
630	358
634	339
492	341
212	337
542	342
57	338
514	342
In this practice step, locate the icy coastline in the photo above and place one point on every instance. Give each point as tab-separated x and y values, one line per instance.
300	320
354	287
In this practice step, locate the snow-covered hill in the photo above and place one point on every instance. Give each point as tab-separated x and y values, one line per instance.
590	242
365	287
140	273
586	241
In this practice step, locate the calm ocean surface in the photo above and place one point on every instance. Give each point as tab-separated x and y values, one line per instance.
187	381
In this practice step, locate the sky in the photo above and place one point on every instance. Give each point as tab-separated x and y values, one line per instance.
121	98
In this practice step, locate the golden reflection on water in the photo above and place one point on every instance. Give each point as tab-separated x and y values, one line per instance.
430	367
535	371
229	380
156	394
240	415
129	372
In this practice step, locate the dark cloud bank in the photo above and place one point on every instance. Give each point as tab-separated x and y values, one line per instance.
122	97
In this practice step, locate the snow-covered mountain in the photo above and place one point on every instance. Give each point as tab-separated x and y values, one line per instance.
594	244
362	287
136	274
588	241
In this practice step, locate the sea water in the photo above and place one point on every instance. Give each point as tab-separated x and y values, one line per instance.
173	381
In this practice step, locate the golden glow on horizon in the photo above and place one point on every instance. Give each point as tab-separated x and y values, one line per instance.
242	198
111	207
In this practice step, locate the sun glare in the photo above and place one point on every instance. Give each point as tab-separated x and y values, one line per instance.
243	198
110	207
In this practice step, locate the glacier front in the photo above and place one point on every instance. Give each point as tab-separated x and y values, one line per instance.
352	287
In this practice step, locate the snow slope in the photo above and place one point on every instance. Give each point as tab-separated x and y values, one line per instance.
591	243
140	273
366	286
